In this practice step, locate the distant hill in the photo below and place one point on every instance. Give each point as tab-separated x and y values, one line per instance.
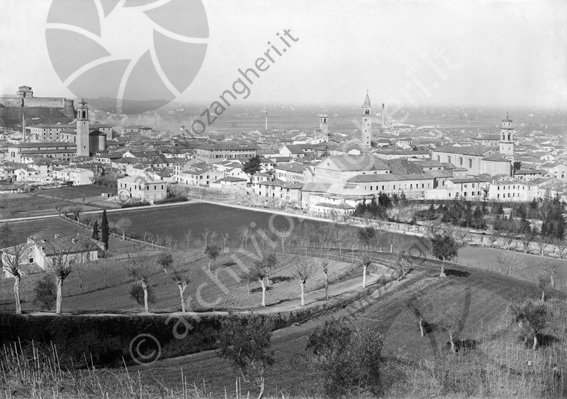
12	116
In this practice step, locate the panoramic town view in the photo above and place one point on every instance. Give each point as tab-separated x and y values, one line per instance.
283	199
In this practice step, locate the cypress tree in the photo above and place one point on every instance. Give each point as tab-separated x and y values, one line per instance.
104	230
96	236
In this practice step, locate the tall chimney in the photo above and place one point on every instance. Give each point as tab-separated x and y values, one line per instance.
383	127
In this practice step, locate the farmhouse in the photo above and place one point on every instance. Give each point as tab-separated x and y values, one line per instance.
38	255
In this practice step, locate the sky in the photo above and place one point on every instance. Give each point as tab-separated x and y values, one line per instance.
494	53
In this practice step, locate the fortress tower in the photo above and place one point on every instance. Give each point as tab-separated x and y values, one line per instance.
507	138
324	127
83	129
366	127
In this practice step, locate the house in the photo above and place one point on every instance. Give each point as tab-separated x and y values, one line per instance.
141	188
278	190
558	171
78	176
291	172
196	175
229	182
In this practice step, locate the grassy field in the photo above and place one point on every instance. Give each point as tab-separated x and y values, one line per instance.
103	285
47	228
74	192
27	205
482	298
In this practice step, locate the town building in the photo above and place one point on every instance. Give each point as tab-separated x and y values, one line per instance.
142	188
211	153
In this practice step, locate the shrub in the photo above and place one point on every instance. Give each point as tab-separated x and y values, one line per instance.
45	292
170	200
134	204
245	342
348	359
136	291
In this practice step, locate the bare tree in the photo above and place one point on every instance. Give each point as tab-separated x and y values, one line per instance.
212	252
561	248
531	317
367	216
396	242
325	268
59	209
282	235
261	270
551	269
182	280
546	278
140	268
59	259
12	260
244	232
188	235
419	306
401	266
166	261
492	238
450	321
123	225
301	272
461	236
225	238
509	239
365	262
542	243
205	236
76	211
526	241
508	261
340	235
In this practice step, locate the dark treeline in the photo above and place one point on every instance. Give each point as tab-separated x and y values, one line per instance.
517	220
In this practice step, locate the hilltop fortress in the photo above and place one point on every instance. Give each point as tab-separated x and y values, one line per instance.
11	105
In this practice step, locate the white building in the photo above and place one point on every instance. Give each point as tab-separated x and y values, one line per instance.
142	188
78	176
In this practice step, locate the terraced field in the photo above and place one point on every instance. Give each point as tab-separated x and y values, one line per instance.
481	296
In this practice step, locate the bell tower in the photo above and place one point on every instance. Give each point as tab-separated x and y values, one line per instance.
366	127
324	127
507	138
83	130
